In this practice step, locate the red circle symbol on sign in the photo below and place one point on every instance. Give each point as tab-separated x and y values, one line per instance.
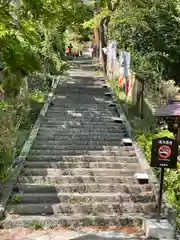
164	151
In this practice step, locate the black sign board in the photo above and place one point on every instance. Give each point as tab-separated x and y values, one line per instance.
164	153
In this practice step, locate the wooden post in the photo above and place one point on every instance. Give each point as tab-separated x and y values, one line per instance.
178	132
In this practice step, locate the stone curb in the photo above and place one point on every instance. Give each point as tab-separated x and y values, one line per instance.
171	212
25	150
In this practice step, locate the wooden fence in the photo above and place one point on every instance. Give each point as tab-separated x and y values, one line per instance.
147	97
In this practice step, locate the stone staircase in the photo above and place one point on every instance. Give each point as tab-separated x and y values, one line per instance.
78	171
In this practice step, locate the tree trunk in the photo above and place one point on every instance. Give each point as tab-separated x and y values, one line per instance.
96	42
104	40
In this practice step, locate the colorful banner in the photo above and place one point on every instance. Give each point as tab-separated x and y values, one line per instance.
111	53
124	80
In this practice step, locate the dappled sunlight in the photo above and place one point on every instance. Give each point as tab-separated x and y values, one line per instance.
74	114
61	97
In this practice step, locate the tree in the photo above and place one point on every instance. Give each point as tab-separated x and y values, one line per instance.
150	30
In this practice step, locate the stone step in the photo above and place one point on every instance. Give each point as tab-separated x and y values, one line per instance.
74	146
59	105
95	135
81	124
81	137
124	153
80	115
107	112
81	130
83	158
77	114
67	164
79	171
81	105
83	188
73	220
78	132
86	100
80	108
90	119
82	119
77	179
106	109
65	197
78	142
83	208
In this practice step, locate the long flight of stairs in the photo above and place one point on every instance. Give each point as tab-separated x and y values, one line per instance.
78	171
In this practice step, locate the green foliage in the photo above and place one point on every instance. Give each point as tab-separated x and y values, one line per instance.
150	31
6	138
36	225
31	41
38	96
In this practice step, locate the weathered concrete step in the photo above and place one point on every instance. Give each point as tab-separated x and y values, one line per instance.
94	135
79	142
73	220
78	88
83	188
80	197
86	112
67	164
73	111
81	105
77	115
56	120
86	100
82	119
64	130
81	137
81	124
81	113
58	105
81	129
83	208
77	179
74	146
104	108
78	171
82	152
83	158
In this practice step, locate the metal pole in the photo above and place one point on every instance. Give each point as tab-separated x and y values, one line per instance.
160	195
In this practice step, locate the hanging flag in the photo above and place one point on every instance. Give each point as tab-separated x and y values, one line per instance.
121	62
120	81
128	86
126	57
124	62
